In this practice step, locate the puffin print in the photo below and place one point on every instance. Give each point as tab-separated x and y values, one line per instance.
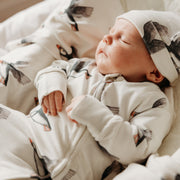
26	42
112	170
39	117
175	45
114	110
158	103
41	165
98	89
174	48
65	54
69	174
145	133
141	135
150	32
81	66
6	68
4	113
156	38
74	10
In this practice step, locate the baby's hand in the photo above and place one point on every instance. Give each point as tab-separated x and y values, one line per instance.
74	102
53	103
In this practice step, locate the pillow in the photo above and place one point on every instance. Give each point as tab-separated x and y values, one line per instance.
172	142
143	5
26	21
172	5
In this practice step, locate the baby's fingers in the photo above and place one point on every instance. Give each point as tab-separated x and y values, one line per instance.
58	100
68	110
52	104
44	109
45	104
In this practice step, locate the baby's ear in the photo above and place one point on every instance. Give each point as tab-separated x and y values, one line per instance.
155	76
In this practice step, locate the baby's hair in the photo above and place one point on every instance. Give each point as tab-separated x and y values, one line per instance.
164	84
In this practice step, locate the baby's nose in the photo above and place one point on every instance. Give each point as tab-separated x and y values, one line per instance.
107	39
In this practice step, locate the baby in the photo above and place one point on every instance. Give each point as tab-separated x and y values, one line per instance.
117	95
117	108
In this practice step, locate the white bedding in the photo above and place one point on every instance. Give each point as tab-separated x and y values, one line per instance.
27	21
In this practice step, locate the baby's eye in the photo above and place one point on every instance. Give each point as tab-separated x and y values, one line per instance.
124	40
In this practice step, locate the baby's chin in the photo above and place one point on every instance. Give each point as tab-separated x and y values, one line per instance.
102	71
101	66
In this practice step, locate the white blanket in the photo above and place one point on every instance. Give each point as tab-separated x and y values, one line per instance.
22	97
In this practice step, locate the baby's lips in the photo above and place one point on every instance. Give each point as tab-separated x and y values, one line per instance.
74	121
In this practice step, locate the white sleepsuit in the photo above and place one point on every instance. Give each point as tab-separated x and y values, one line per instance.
117	120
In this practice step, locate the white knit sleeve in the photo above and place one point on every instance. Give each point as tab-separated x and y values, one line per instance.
117	136
52	78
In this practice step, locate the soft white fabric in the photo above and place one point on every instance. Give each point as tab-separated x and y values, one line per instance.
136	171
172	142
157	168
126	125
26	21
59	28
18	26
116	133
172	5
55	146
57	31
21	95
58	39
3	52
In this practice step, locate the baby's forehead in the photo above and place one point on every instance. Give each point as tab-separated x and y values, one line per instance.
127	27
123	24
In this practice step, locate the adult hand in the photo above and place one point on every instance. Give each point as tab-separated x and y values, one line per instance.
53	103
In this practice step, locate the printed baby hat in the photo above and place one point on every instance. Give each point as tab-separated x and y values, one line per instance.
160	31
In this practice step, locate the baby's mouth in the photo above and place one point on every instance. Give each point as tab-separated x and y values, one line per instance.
101	51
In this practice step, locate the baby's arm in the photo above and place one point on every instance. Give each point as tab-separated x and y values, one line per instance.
53	103
51	84
116	134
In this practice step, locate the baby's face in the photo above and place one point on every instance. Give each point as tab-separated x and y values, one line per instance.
123	51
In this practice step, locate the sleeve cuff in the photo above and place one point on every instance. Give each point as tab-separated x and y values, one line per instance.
50	83
91	113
